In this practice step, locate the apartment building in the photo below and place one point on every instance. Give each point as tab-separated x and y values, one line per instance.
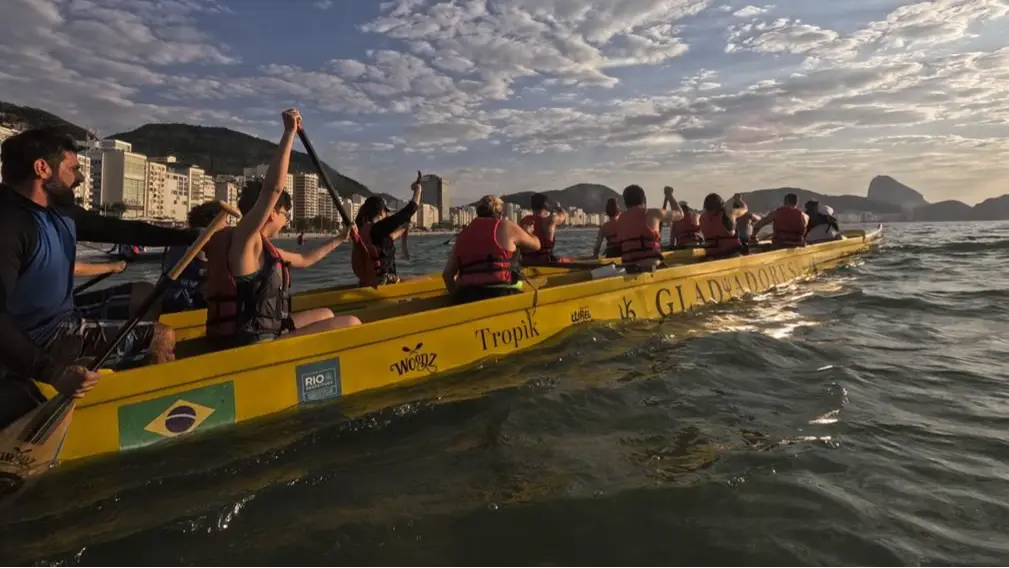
436	192
306	196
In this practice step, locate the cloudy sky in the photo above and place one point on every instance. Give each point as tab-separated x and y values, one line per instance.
509	95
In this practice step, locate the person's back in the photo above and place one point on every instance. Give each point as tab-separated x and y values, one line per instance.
718	224
789	223
544	226
822	225
687	231
638	227
482	262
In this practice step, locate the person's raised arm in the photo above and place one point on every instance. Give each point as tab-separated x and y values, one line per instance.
675	212
397	223
273	183
769	218
559	216
736	207
314	255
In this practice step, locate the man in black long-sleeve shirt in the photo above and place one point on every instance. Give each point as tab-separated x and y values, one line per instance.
380	229
42	335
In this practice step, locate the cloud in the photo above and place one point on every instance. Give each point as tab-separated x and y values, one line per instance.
751	11
721	96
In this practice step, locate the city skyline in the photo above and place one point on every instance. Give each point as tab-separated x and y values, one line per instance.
701	95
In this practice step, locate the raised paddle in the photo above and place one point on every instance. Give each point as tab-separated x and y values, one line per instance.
367	276
32	443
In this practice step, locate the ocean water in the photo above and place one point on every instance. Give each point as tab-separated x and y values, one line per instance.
860	418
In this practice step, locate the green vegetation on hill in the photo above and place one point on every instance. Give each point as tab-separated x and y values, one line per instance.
590	197
222	151
23	118
765	200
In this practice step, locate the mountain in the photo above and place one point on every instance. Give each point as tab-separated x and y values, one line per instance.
591	197
23	118
950	210
885	189
992	209
222	151
764	200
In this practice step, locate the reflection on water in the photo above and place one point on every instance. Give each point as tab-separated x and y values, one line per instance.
856	419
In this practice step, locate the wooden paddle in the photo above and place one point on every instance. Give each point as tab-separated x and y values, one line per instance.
369	278
31	444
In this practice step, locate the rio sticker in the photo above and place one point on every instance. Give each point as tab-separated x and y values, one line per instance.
142	423
319	381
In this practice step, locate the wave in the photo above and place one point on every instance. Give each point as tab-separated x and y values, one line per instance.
952	247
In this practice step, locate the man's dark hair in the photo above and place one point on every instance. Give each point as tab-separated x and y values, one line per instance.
203	214
791	199
250	194
19	152
634	196
538	201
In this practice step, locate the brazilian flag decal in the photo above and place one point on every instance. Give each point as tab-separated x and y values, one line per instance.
145	422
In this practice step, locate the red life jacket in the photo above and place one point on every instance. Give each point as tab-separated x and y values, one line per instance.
256	307
789	227
638	241
546	253
481	259
609	230
366	260
718	240
686	231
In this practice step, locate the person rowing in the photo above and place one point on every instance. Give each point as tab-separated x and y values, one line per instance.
482	262
186	292
789	223
686	232
608	231
248	280
43	335
718	223
822	225
379	230
543	224
638	228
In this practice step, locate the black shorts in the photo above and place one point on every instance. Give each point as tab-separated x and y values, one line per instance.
71	341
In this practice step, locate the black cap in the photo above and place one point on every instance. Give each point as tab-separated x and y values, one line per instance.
375	204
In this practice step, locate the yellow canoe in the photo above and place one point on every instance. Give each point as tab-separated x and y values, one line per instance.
349	299
408	341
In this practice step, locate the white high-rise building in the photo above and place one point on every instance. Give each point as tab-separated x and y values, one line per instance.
326	208
82	194
157	197
306	196
177	194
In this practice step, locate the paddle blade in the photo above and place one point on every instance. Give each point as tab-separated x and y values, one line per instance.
21	459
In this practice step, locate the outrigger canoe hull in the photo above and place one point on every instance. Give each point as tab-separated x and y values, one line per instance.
408	342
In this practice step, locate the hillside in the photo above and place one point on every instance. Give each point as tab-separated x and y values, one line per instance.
222	151
992	209
885	189
23	118
950	210
591	197
764	200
